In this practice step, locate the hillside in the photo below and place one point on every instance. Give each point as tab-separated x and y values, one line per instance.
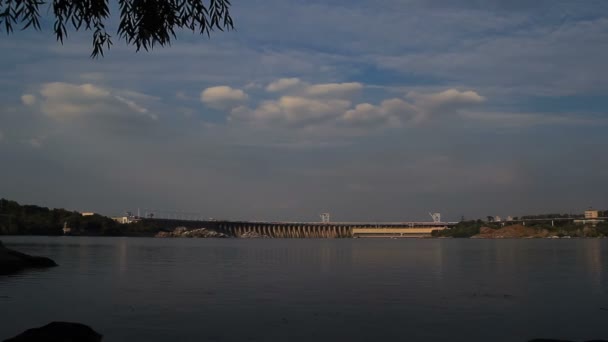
17	219
514	231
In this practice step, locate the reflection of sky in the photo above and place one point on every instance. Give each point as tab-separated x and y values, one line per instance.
131	288
595	252
123	246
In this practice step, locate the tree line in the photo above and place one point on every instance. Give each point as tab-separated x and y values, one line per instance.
16	219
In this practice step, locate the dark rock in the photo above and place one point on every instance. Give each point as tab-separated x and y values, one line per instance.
58	332
12	261
253	235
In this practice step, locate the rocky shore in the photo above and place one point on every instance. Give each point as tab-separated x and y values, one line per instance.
204	233
12	261
253	235
184	232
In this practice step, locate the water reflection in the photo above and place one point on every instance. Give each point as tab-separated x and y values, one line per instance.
594	263
356	290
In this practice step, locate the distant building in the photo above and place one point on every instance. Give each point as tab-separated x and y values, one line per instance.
497	219
87	214
591	214
591	217
129	218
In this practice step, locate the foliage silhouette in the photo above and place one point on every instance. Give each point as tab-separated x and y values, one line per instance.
143	23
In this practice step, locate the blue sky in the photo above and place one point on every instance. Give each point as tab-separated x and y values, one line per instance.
367	110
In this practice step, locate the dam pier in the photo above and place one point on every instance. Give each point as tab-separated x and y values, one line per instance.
313	229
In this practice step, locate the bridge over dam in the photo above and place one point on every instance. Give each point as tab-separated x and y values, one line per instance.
312	229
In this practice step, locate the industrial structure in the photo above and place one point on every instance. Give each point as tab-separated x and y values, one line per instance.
323	229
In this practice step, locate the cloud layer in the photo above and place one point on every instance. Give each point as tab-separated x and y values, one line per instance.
65	102
300	104
369	110
222	97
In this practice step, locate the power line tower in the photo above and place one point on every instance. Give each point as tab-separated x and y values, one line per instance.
436	217
325	218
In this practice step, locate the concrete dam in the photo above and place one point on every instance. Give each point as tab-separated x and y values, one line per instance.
314	229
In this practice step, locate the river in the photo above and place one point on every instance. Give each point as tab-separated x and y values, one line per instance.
145	289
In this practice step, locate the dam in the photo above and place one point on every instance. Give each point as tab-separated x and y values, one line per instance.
313	229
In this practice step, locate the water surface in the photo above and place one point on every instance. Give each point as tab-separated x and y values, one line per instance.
313	290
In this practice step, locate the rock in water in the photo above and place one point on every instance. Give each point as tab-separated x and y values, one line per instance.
12	261
58	332
192	233
253	235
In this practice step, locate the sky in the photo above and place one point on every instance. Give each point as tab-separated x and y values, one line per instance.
367	110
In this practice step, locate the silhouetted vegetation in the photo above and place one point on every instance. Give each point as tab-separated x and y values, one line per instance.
464	229
19	219
16	219
140	23
547	216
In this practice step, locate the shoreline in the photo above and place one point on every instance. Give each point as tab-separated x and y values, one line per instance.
153	236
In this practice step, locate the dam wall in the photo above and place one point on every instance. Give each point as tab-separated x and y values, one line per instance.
312	229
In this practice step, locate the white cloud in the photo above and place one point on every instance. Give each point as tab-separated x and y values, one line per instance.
293	110
390	112
448	97
33	142
253	85
132	105
296	86
66	90
28	99
334	89
442	103
283	84
223	97
324	104
66	101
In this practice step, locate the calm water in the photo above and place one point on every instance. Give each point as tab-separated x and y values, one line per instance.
313	290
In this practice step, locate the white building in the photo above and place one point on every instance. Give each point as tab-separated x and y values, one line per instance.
591	214
125	219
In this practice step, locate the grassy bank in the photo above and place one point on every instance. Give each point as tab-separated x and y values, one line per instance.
467	229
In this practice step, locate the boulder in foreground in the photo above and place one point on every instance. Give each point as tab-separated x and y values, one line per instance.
12	261
58	332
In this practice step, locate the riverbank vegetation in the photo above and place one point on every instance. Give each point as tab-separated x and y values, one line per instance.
16	219
467	229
